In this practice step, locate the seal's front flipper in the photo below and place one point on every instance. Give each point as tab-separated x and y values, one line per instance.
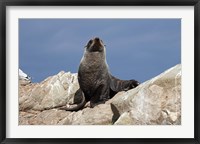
101	95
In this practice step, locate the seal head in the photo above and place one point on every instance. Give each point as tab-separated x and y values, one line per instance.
95	45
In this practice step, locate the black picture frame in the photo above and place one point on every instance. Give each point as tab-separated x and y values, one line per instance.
5	3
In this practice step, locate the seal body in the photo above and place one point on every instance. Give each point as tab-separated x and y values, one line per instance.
95	80
96	83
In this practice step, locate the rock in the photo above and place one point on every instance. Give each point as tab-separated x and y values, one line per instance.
155	102
53	92
99	115
38	103
24	79
47	117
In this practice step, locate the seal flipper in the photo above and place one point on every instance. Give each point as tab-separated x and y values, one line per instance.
75	107
117	85
101	95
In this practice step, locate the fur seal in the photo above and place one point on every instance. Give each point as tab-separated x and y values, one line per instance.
97	85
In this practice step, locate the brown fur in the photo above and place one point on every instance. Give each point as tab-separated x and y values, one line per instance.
96	82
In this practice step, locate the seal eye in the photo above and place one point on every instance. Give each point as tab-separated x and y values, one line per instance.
89	43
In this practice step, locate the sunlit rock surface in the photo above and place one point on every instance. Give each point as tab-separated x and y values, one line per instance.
154	102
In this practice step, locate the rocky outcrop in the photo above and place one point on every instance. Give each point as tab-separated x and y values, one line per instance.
155	102
24	79
53	92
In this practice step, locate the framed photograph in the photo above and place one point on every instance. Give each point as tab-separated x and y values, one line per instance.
99	71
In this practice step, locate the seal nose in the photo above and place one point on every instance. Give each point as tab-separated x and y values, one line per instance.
96	39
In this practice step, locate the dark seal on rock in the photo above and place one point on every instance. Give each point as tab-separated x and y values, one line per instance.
97	85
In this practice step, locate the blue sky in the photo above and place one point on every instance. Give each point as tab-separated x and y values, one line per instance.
136	48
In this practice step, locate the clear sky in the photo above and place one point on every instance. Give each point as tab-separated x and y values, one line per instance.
136	48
